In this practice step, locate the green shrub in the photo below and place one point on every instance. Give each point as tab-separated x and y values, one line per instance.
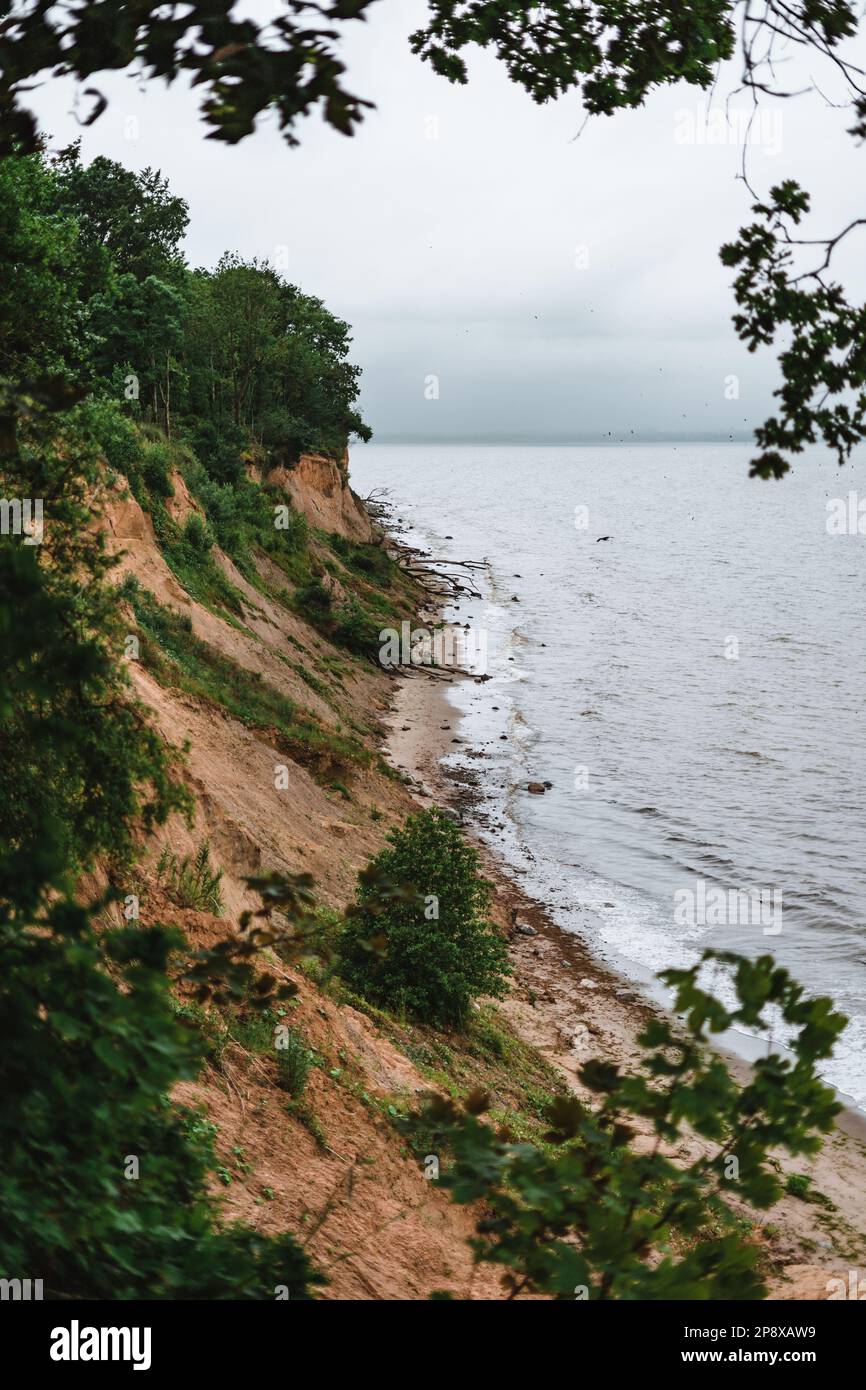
313	601
240	514
191	882
347	623
294	1063
799	1185
418	938
196	533
155	470
118	437
293	536
355	629
371	561
194	566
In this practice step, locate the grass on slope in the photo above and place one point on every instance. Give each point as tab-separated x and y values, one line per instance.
181	661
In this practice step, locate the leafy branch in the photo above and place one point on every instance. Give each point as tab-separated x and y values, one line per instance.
823	390
288	65
592	1211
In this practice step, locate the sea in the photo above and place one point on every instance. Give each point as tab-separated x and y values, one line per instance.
676	654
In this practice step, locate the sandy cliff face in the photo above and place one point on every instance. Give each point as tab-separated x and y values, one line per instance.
319	488
386	1232
303	826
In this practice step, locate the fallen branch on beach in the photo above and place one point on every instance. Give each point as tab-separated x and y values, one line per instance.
437	673
417	566
377	504
447	586
434	673
427	569
460	564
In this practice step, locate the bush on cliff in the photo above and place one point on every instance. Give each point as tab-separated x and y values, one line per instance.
418	938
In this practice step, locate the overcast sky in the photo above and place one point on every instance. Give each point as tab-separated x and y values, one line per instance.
555	286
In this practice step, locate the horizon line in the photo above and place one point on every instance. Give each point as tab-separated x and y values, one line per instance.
584	437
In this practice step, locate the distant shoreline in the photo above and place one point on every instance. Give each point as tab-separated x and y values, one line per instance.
556	441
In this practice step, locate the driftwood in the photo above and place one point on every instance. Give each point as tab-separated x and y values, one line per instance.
377	507
445	583
378	504
430	570
439	579
436	673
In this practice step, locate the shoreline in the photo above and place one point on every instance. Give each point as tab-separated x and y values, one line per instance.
612	1003
571	1006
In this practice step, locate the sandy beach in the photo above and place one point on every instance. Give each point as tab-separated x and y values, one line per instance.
570	1007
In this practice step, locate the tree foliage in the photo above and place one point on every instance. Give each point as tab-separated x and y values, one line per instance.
612	52
593	1215
129	222
89	1043
823	391
267	362
104	1182
224	357
288	64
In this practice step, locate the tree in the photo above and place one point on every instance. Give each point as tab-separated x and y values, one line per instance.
41	332
129	220
418	938
138	325
130	271
244	308
268	362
